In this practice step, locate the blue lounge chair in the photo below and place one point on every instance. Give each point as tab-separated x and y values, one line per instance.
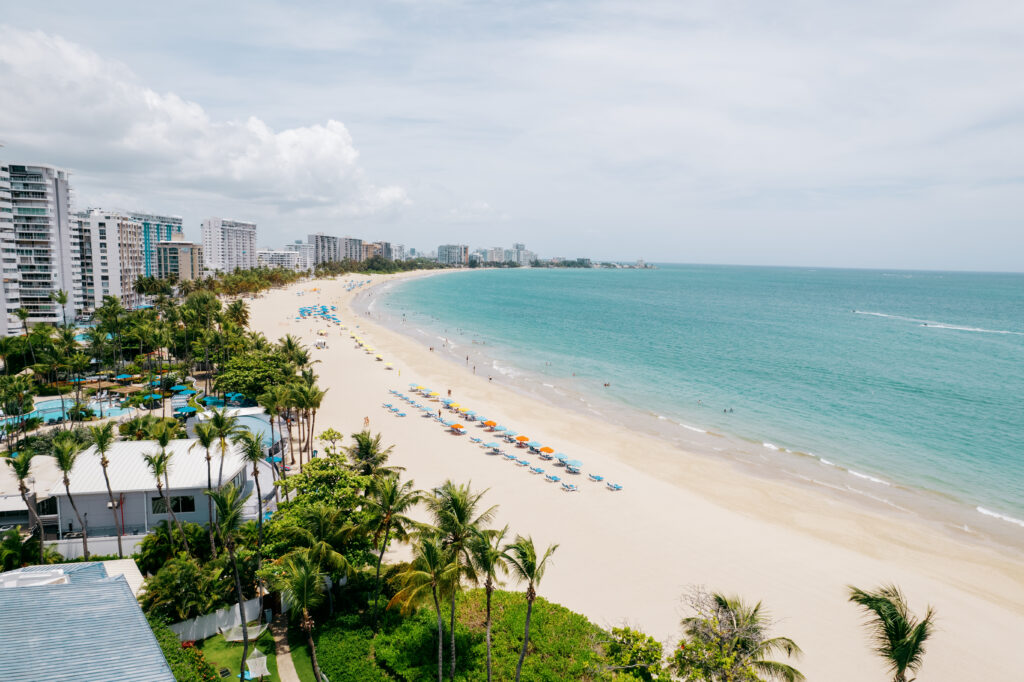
536	470
572	470
474	439
509	457
569	487
494	451
614	486
522	463
546	457
552	479
401	414
595	478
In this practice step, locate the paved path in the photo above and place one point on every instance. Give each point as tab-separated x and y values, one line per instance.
285	666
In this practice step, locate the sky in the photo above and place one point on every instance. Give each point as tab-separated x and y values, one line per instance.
846	134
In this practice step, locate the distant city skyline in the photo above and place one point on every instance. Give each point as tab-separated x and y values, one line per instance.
699	133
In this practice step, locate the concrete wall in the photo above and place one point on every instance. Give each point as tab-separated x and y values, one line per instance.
137	512
72	548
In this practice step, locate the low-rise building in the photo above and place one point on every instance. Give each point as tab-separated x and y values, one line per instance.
277	258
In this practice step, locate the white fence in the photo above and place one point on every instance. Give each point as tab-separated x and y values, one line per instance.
71	548
212	623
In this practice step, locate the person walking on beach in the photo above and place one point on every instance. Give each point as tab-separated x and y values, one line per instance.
366	423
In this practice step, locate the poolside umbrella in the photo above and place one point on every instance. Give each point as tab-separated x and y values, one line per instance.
547	449
153	396
522	439
186	409
188	391
154	382
179	387
123	376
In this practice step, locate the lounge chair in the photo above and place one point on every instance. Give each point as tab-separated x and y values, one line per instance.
510	457
522	463
400	414
546	457
595	478
572	469
614	486
551	478
536	470
474	439
494	451
569	487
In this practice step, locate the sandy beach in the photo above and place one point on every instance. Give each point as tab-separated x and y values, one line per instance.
682	519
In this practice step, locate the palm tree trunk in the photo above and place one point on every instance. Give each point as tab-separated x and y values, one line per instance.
291	442
451	674
174	518
33	516
440	638
380	558
220	476
259	521
241	608
209	505
312	648
312	427
85	531
489	589
526	634
113	509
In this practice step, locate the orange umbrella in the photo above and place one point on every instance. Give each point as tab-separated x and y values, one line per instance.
522	439
458	426
490	423
546	449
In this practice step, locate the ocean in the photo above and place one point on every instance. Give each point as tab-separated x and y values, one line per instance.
902	389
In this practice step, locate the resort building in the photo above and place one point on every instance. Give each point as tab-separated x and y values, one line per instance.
179	260
282	258
306	259
371	249
140	506
35	244
156	229
77	622
228	245
453	254
352	249
107	258
326	248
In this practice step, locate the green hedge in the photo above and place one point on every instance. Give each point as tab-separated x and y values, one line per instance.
187	664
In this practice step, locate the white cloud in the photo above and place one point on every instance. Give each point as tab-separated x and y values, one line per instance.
72	107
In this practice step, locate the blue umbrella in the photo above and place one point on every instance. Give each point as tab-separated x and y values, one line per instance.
179	387
123	376
573	463
188	392
560	457
533	444
509	434
501	428
187	409
153	396
492	445
154	382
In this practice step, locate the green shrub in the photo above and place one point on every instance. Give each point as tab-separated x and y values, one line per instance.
187	663
345	651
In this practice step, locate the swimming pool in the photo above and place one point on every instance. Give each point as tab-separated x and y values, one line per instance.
259	423
51	409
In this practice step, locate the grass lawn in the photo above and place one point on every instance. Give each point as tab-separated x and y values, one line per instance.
222	654
300	654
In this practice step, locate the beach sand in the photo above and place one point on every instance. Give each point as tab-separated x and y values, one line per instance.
682	519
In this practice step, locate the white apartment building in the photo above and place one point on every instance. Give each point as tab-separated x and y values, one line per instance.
306	259
274	258
35	244
352	249
453	254
398	251
108	257
495	254
326	248
228	245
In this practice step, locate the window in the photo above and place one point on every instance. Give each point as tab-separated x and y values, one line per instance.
183	504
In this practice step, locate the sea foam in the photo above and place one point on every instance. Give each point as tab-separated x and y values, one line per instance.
1001	517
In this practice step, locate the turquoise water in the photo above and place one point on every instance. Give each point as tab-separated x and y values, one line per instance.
918	390
258	424
51	409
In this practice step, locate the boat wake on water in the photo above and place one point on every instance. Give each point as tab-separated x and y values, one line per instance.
932	324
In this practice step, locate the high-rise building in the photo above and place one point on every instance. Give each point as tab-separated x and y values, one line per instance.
352	248
179	260
398	252
156	229
277	258
107	257
495	254
38	236
326	248
228	245
453	254
306	259
370	249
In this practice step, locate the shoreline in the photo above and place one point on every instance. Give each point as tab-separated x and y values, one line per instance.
681	520
960	519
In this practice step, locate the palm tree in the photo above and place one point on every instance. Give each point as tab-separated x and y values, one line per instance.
77	363
271	402
432	571
22	469
65	451
368	458
60	297
103	438
159	465
898	635
308	398
386	505
252	453
230	503
322	531
522	557
9	345
228	429
238	313
739	634
303	588
485	548
22	314
455	511
206	435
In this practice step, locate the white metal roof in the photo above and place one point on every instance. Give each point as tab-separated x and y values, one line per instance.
128	471
44	475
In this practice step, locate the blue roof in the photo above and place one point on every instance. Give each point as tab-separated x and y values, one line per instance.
89	629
